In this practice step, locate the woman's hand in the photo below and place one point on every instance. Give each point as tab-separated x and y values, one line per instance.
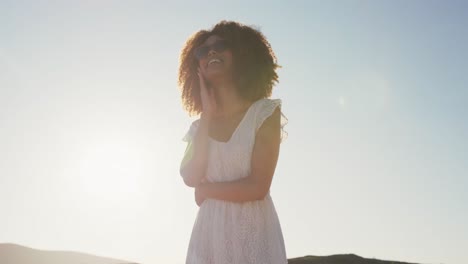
199	198
207	97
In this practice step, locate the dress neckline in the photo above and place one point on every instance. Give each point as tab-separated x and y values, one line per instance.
237	128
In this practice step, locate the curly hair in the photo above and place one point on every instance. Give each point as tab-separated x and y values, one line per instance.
254	63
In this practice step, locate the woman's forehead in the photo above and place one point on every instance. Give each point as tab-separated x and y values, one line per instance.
212	39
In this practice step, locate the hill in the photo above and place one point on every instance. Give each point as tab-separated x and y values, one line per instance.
16	254
341	259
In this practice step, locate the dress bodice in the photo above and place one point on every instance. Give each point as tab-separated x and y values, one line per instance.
228	161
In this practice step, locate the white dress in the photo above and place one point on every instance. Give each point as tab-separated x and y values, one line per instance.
236	233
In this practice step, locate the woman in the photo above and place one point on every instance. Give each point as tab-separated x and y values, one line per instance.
226	75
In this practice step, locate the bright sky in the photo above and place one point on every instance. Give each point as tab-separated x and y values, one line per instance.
375	91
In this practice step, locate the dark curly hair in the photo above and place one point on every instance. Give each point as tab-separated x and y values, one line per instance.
254	63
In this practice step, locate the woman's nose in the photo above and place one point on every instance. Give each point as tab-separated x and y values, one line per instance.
211	52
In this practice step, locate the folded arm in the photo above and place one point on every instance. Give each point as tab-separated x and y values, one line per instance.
264	159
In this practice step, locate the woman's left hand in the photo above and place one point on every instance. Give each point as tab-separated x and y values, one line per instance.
199	198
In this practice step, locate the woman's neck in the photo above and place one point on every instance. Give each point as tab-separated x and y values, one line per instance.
228	100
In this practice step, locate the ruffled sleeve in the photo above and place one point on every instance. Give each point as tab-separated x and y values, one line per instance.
266	109
192	131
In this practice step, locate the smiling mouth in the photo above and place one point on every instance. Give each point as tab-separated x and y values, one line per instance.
214	61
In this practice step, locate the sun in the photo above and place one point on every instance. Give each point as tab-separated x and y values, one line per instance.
110	169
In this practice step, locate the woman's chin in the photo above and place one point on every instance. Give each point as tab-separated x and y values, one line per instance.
214	75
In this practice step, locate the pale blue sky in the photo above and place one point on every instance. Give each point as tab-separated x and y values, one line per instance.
375	91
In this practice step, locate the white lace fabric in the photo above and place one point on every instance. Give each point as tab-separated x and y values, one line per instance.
236	233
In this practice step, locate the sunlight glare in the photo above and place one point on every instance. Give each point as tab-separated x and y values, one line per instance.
341	101
110	170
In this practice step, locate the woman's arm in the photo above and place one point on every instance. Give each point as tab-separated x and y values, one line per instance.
193	165
264	159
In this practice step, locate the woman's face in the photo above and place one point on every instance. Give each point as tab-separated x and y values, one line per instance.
214	58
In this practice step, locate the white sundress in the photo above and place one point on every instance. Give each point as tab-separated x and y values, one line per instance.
236	233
